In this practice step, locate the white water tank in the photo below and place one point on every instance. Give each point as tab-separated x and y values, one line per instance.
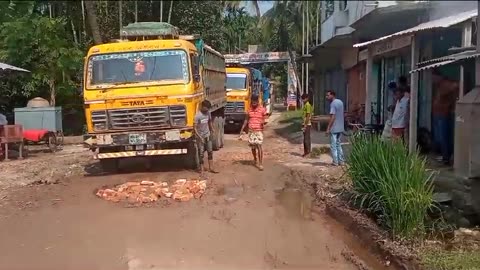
38	102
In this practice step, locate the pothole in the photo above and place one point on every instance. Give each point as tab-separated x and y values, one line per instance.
295	201
182	190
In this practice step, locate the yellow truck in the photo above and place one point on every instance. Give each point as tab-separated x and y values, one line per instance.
142	92
240	86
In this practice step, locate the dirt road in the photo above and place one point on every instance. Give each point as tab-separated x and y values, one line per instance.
247	219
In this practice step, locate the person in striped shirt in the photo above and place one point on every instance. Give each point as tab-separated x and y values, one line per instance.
255	120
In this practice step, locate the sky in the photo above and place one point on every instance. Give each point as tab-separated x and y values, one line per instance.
263	5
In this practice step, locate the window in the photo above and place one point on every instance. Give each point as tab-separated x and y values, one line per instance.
236	81
148	67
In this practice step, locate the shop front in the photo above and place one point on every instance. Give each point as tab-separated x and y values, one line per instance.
389	60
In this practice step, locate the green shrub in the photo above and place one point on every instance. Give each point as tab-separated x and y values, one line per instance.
392	184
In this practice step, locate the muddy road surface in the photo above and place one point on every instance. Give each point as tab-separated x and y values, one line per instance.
247	219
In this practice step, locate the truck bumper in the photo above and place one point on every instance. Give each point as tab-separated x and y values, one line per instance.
145	153
234	118
139	143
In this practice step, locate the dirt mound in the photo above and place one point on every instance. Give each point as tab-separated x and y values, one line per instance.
149	191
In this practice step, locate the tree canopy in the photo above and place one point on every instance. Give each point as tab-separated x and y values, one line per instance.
50	38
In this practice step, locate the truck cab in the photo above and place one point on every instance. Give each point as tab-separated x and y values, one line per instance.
141	93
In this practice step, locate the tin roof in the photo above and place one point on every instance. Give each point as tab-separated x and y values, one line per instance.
446	60
462	55
439	23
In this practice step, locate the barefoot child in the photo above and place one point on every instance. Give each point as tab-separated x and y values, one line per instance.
255	119
203	128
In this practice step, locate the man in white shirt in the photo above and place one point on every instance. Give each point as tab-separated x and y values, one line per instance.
401	115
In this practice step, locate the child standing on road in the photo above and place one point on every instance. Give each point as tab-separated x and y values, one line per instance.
255	119
203	128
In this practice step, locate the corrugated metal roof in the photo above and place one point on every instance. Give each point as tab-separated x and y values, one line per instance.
463	55
439	23
439	64
453	59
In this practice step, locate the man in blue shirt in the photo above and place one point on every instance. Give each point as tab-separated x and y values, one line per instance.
336	127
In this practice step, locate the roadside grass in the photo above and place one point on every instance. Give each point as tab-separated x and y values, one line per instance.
317	151
391	184
435	258
292	121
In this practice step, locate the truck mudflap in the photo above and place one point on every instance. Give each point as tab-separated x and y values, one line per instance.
124	154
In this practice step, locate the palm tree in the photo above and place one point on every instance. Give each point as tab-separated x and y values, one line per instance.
253	4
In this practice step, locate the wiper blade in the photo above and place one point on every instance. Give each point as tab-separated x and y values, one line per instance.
124	82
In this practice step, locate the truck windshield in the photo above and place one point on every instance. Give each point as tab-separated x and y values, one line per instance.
236	81
149	67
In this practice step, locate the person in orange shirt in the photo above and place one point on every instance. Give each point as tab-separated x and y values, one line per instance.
255	119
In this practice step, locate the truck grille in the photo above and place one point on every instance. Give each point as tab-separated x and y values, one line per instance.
149	117
235	107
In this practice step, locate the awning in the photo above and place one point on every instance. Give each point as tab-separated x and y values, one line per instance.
446	60
462	55
435	24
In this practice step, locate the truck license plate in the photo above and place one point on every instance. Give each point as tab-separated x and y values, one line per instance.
172	135
137	138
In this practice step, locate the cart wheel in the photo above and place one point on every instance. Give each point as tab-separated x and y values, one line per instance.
52	142
60	138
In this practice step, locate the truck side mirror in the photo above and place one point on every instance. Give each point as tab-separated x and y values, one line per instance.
195	67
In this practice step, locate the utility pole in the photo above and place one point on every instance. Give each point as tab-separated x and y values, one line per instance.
136	11
477	60
303	45
120	17
318	17
161	11
307	47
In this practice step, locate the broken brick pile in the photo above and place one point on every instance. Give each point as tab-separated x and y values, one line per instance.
149	191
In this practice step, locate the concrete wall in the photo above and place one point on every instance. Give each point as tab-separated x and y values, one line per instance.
340	20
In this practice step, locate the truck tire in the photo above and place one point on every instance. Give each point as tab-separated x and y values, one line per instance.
193	160
222	134
109	165
216	134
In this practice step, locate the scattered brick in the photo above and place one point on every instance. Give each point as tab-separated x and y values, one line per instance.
182	190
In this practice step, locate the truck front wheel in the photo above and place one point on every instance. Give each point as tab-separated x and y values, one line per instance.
217	136
193	160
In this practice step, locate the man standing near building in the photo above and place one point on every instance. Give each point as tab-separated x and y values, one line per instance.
307	125
401	114
336	127
443	114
